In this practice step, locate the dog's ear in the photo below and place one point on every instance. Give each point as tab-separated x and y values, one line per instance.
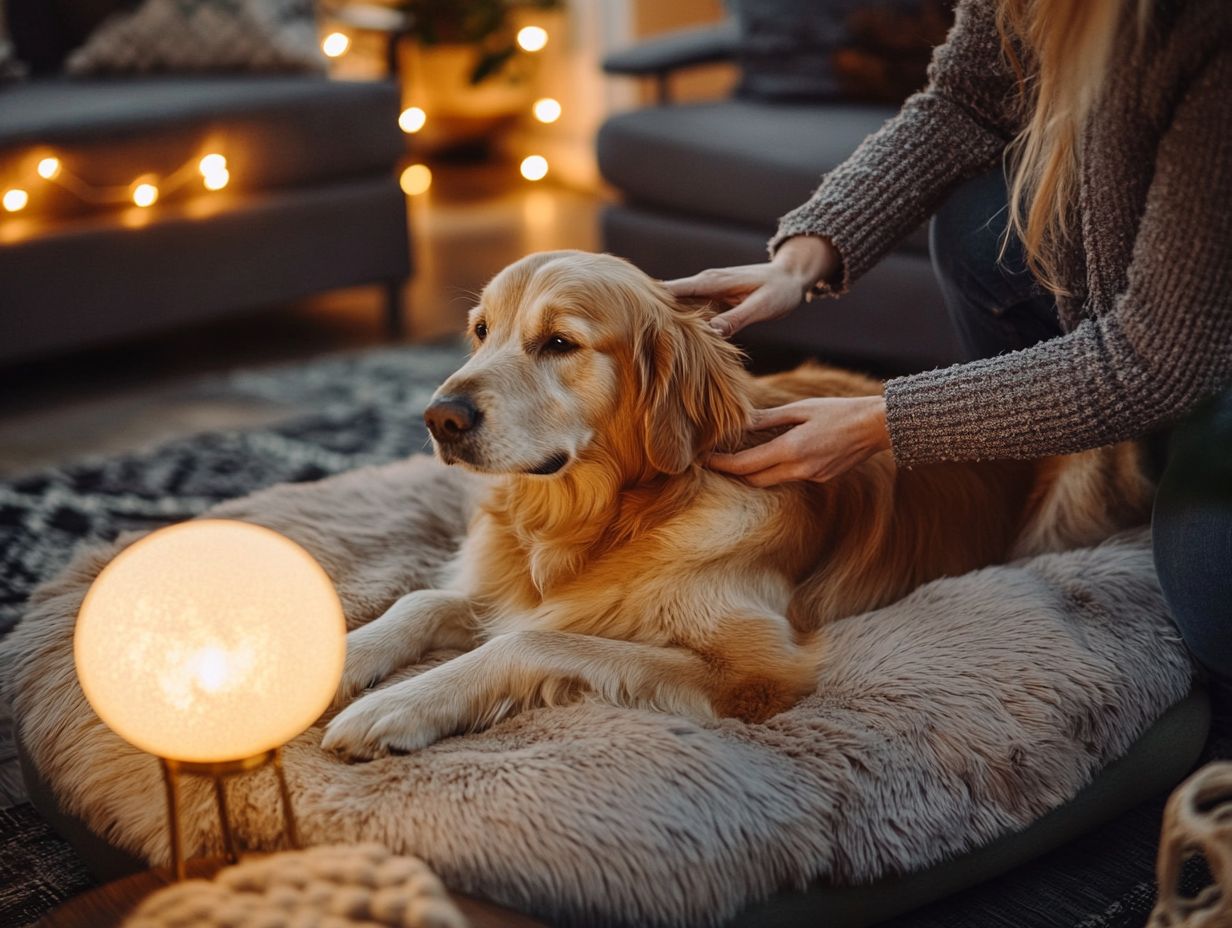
694	394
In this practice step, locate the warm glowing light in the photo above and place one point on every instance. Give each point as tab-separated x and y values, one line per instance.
15	200
211	164
145	195
335	44
412	120
546	109
535	167
49	168
532	38
416	180
216	180
210	641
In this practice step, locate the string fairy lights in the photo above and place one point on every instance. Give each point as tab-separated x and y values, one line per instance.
145	191
416	178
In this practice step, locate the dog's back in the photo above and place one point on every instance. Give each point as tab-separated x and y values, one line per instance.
884	530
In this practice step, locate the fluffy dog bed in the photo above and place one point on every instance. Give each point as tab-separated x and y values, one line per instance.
959	714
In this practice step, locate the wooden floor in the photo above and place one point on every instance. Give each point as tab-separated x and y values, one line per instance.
472	222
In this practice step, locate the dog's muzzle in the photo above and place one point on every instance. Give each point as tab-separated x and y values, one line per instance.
452	418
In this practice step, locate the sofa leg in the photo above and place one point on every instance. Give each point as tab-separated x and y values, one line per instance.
395	321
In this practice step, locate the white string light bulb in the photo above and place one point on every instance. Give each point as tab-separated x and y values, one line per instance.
534	167
335	44
214	173
49	168
546	109
416	179
532	38
211	164
412	120
216	180
15	200
145	195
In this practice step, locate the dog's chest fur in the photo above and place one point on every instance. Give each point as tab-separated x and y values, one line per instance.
637	579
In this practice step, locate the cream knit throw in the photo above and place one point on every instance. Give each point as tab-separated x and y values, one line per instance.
335	886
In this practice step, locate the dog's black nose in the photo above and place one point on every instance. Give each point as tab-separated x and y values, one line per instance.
450	417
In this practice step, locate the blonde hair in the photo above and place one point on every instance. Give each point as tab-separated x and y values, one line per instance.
1069	44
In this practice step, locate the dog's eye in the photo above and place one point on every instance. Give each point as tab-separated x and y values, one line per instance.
481	330
558	344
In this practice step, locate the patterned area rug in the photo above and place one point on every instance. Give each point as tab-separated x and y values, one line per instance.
366	409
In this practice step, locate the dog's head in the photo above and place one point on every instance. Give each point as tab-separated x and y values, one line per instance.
581	356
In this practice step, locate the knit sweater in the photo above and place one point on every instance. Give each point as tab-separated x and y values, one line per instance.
1148	325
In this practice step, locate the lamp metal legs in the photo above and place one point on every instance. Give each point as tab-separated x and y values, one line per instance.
218	774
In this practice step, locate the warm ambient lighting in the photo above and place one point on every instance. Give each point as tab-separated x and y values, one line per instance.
49	168
535	167
532	38
15	200
145	195
546	109
335	45
412	120
210	641
416	180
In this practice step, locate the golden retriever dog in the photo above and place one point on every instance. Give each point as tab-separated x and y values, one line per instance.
607	561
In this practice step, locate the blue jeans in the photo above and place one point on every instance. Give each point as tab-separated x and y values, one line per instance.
997	306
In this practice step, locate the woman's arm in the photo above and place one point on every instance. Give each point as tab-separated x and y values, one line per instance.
955	128
1164	346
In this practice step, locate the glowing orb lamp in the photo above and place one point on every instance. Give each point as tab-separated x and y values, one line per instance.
210	644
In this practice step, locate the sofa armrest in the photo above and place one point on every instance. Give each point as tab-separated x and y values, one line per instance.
683	48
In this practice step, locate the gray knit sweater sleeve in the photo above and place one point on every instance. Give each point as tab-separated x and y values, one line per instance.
956	128
1164	345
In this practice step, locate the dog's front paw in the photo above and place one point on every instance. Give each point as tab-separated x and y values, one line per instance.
389	720
369	660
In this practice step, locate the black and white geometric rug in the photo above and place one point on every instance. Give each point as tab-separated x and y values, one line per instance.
367	409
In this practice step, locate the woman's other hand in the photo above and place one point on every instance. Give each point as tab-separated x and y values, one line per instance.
759	292
828	435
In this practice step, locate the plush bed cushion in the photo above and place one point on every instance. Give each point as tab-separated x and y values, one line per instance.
958	716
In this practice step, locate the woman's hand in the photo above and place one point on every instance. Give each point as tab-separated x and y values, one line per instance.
828	435
759	292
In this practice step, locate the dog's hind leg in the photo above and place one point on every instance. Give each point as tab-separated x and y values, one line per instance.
514	671
419	622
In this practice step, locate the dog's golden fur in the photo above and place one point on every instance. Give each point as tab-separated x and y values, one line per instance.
633	573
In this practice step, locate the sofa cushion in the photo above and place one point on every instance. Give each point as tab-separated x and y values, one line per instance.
274	131
741	161
204	36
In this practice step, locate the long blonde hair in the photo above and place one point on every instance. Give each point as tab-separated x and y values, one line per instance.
1069	46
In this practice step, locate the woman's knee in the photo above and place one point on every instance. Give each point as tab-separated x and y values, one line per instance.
1192	532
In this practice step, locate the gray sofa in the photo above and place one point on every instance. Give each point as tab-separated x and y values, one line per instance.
313	203
702	185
